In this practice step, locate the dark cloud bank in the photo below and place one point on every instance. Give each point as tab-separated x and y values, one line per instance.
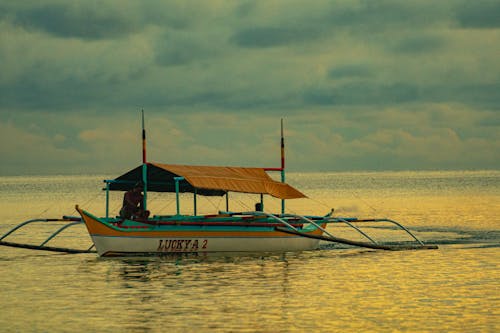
327	62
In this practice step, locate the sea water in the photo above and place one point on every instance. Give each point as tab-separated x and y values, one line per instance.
336	288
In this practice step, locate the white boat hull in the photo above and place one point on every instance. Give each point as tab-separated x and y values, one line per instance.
112	240
109	245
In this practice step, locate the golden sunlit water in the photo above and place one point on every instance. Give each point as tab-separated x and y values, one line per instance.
336	288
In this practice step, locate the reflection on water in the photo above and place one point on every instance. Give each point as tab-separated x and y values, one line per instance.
327	290
337	288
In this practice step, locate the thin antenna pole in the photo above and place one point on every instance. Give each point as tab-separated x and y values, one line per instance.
143	140
144	164
282	164
282	147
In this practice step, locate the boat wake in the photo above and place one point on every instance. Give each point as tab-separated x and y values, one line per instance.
445	236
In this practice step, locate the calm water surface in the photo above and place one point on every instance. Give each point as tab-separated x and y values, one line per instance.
336	288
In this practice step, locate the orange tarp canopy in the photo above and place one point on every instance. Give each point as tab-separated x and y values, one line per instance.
235	179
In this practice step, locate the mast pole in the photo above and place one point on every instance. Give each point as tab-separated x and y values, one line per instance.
144	163
282	165
143	140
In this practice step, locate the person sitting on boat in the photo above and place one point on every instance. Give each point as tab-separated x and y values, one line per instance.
133	203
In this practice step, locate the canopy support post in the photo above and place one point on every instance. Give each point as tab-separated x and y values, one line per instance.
145	184
262	202
194	199
227	201
107	200
177	180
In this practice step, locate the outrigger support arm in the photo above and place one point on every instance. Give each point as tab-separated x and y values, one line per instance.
69	219
356	243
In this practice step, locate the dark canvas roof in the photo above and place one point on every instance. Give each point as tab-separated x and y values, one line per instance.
208	180
159	180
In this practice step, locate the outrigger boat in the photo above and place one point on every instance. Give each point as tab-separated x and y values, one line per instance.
222	232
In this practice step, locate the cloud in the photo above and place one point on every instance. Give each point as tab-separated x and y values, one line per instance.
383	15
358	82
351	71
104	20
50	73
34	153
175	49
382	146
436	137
363	93
263	37
325	20
418	44
483	14
84	20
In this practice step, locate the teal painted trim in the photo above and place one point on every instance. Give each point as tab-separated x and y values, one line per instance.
177	204
204	236
174	228
116	181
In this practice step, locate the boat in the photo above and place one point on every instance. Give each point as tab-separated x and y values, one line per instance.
256	231
224	231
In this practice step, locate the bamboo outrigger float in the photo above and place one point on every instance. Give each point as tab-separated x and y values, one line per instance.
224	231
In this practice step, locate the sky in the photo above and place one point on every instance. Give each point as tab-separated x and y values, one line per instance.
361	85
